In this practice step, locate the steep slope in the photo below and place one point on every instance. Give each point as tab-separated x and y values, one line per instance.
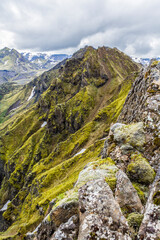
14	98
45	146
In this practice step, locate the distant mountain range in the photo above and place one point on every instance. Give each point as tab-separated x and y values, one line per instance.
23	67
44	60
144	61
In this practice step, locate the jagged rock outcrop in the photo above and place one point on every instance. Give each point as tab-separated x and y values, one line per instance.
68	230
143	104
100	214
133	143
150	227
61	222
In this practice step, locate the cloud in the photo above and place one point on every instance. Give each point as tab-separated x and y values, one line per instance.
66	25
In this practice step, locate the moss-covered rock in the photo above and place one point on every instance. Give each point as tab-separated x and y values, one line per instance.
132	134
100	169
134	220
139	170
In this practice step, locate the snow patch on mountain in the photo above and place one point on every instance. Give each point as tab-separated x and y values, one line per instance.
43	124
4	208
32	94
80	152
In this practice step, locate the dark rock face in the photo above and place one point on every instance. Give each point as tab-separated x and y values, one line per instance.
111	188
2	172
15	105
3	223
45	230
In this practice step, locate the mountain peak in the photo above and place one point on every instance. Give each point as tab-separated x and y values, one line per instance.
6	49
80	53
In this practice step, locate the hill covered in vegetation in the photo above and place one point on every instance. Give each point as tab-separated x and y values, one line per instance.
54	127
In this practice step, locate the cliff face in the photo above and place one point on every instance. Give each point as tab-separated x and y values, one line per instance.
118	195
45	189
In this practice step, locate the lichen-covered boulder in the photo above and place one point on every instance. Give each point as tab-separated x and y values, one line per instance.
139	170
100	169
126	195
132	134
100	214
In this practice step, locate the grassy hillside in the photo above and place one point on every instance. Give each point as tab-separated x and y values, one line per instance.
39	143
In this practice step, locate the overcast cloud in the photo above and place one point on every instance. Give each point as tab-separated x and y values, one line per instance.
66	25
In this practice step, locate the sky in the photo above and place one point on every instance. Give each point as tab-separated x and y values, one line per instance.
64	26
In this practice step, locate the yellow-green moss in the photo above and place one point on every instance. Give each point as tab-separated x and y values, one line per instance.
156	198
134	220
111	148
142	191
140	171
111	182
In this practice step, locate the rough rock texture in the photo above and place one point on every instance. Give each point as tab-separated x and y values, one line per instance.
59	220
68	230
116	197
126	195
143	104
132	134
134	144
150	227
100	214
130	161
122	141
97	170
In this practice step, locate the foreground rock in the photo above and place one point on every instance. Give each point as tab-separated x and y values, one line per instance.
68	230
150	227
100	214
126	195
61	221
